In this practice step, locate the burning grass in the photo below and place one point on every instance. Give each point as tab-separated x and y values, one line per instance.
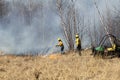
59	67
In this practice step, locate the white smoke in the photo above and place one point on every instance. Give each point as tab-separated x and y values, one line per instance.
33	25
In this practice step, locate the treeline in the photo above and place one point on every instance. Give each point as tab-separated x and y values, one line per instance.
28	11
72	22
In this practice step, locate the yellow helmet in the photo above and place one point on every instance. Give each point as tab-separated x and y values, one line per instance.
59	39
76	35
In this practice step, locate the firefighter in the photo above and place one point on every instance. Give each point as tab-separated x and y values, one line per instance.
78	44
112	48
60	44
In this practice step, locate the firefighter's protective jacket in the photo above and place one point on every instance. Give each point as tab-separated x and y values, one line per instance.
78	41
60	43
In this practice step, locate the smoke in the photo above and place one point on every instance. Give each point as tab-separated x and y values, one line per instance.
87	9
27	27
32	26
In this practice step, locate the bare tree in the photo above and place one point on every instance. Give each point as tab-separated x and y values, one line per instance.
3	8
113	20
70	21
103	22
109	22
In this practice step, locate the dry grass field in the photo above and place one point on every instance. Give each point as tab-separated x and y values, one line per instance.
59	67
